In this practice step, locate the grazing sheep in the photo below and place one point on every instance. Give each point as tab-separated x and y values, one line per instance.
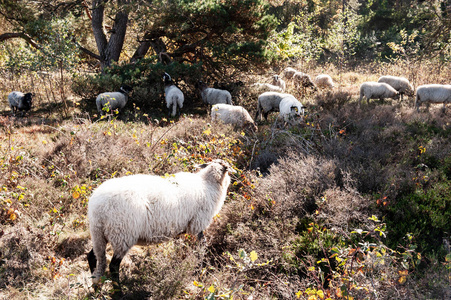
303	80
377	90
20	101
173	95
288	72
433	93
213	96
109	101
289	106
324	81
401	84
148	209
236	115
267	87
268	102
277	81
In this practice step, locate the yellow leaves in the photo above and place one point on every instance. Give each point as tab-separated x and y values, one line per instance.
422	149
75	195
298	294
211	289
12	214
198	284
253	256
403	276
207	131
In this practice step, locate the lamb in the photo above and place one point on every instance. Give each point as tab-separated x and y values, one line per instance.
277	81
324	81
236	115
377	90
213	96
433	93
267	102
289	106
173	95
288	72
267	87
20	101
303	80
148	209
401	84
109	101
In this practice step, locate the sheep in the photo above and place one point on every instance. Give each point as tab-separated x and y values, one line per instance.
277	81
303	80
377	90
433	93
267	87
268	101
109	101
289	106
324	81
20	101
401	84
173	95
288	72
236	115
213	96
149	209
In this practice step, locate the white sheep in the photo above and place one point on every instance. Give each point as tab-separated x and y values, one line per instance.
324	81
20	101
109	101
148	209
212	96
303	80
277	81
173	95
267	87
235	115
433	93
377	90
267	102
288	72
401	84
289	107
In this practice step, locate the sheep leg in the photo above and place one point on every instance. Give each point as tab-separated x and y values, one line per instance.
114	271
92	260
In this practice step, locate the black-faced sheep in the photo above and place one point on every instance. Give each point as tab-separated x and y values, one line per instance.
401	84
212	96
149	209
324	81
20	101
267	102
377	90
433	93
173	95
235	115
109	101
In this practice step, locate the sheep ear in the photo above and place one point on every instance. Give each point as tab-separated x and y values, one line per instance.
201	166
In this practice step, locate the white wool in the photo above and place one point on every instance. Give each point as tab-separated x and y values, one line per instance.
112	100
20	101
214	96
324	81
268	101
267	87
290	107
401	84
433	93
376	90
277	81
174	97
151	209
230	114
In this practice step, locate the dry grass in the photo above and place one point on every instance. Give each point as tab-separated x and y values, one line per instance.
330	170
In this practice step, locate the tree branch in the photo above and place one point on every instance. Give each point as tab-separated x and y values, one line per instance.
11	35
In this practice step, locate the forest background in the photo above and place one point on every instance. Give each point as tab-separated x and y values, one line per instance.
353	202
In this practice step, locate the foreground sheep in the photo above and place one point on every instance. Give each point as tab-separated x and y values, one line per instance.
268	102
433	93
148	209
401	84
289	107
109	101
377	90
20	101
324	81
173	96
213	96
277	81
235	115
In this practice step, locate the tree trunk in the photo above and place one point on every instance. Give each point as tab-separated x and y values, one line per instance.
109	50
